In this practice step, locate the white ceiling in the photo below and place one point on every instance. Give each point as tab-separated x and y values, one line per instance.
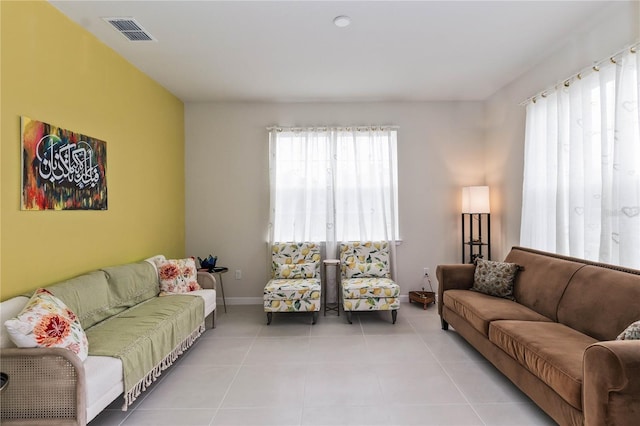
291	51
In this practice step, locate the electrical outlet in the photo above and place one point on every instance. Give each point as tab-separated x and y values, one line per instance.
426	271
238	274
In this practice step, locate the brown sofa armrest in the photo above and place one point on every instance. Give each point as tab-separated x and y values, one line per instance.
453	277
611	386
46	386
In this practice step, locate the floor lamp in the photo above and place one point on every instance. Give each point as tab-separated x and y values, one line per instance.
475	208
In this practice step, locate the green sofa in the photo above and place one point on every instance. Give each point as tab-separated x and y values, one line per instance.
133	335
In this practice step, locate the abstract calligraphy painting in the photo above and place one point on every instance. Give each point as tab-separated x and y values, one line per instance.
61	169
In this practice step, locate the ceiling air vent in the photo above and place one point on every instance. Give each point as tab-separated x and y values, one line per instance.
130	28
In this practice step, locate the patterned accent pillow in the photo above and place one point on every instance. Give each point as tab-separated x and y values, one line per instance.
177	275
631	333
294	254
495	278
376	252
366	270
295	271
46	322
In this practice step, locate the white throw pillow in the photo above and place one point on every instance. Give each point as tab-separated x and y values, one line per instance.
178	275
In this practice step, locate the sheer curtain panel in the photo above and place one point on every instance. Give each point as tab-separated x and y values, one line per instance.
333	184
581	190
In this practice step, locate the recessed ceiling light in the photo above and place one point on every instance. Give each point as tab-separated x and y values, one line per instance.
342	21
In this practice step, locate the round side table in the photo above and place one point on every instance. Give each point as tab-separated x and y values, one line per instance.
219	270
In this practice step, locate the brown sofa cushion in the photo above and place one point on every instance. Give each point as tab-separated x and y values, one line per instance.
552	352
479	309
590	307
542	280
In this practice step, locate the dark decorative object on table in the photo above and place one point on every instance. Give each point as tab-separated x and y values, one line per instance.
209	263
4	380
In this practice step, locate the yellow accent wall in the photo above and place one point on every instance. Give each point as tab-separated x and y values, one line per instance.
52	70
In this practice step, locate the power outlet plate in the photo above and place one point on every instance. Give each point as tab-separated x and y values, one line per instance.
426	271
238	274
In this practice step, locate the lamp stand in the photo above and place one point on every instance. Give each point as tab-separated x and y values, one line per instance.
473	241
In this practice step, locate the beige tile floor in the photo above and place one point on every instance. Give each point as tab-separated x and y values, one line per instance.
332	373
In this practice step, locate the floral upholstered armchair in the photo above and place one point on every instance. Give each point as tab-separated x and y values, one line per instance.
295	280
365	278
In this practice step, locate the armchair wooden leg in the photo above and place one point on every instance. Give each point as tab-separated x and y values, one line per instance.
394	315
444	324
349	317
269	317
314	317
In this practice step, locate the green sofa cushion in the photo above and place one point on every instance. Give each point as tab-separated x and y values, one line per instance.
131	284
87	296
98	295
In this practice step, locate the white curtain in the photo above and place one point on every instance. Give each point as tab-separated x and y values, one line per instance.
333	184
581	191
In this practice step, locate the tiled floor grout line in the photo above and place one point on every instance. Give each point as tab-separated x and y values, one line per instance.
455	383
304	387
235	376
366	344
156	385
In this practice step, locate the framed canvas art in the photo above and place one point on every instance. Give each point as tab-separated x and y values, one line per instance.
62	169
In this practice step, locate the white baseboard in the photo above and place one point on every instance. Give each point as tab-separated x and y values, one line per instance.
258	300
241	301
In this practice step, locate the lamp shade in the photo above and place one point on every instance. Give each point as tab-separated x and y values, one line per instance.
475	199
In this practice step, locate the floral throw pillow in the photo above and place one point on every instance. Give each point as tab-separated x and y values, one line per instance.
46	322
495	278
177	275
295	271
631	333
366	270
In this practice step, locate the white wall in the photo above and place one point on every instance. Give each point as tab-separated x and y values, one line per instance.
440	149
614	29
442	146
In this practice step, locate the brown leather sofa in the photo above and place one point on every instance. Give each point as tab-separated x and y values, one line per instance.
557	340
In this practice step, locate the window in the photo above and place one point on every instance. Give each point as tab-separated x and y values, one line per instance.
333	184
